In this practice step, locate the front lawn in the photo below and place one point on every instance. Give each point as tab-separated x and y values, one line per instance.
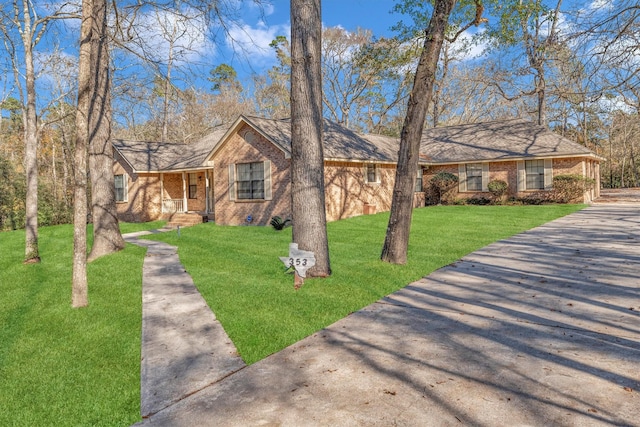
238	272
60	366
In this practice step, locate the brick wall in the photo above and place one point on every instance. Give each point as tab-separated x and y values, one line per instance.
347	193
143	202
508	171
238	149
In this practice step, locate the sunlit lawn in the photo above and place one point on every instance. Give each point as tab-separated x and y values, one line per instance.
60	366
239	274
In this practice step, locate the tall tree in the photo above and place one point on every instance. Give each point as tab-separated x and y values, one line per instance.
397	237
79	287
533	26
273	91
22	17
106	230
307	157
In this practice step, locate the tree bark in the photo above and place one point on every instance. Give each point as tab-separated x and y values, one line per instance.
307	156
30	121
79	290
106	230
397	238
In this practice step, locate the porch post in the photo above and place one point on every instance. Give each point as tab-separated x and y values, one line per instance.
184	191
206	190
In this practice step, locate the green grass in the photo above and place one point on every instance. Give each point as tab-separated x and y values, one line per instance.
61	366
238	272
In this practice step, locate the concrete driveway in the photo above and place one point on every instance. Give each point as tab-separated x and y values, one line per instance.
537	330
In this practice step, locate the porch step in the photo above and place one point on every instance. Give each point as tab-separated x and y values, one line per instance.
186	219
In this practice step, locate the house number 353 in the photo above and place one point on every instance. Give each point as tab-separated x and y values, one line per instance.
296	262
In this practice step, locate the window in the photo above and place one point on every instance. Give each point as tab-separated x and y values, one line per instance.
474	176
534	170
250	180
418	188
535	175
193	186
371	173
121	188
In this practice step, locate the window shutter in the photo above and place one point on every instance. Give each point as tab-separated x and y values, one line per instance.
548	174
125	179
522	177
485	177
232	181
462	178
267	180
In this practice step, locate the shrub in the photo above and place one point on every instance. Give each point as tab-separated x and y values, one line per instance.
478	200
498	189
278	223
442	183
539	198
569	188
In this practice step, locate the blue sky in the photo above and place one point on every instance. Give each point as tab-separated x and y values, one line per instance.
253	31
258	31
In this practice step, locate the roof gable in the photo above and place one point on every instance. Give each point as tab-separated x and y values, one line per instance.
340	143
145	156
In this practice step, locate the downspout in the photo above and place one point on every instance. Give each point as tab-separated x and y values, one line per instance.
161	192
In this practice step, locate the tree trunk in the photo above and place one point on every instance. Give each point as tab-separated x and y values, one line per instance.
79	291
307	157
30	121
106	230
397	238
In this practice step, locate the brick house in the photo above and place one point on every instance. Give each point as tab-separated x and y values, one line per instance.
524	155
240	175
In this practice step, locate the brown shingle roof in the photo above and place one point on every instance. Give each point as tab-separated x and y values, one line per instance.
164	156
497	140
340	143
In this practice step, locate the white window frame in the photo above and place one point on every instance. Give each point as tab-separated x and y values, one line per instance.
462	177
376	172
193	185
233	188
418	187
124	187
547	178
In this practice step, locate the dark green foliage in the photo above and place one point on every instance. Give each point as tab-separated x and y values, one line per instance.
498	189
478	201
568	188
12	196
278	223
441	184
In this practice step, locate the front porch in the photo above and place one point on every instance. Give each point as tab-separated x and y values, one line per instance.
187	192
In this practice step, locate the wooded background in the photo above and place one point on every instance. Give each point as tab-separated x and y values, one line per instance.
572	67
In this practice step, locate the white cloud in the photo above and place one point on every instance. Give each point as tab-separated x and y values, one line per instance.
254	42
600	5
467	47
162	34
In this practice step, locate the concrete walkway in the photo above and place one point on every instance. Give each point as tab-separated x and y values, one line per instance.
539	329
184	347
